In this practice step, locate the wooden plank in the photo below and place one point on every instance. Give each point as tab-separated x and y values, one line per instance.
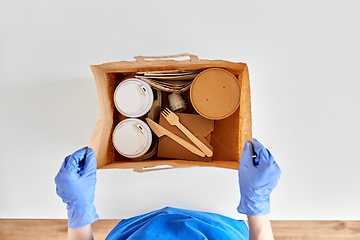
56	229
316	230
50	229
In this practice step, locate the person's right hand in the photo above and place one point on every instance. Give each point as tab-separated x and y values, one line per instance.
257	178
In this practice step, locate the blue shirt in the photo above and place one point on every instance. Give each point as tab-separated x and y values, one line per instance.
174	223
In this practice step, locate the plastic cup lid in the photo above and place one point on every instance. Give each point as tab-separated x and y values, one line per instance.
132	138
133	97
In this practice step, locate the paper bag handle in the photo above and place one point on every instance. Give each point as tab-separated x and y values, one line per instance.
141	169
142	59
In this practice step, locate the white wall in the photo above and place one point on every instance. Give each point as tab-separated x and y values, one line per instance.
304	62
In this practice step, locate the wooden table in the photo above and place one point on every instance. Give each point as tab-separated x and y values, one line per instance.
54	229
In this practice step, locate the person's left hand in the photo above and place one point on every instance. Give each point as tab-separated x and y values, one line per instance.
75	184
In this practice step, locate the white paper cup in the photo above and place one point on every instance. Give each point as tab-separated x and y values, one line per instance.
132	138
133	97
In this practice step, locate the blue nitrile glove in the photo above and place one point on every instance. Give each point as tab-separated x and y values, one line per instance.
75	184
257	178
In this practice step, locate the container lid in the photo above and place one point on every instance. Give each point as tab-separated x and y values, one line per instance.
133	97
132	138
215	93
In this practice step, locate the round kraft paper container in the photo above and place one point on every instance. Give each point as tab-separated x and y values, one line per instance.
133	97
215	93
132	138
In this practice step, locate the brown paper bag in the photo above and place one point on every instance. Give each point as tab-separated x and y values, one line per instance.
227	139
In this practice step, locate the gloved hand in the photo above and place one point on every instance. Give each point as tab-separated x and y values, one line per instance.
257	178
75	184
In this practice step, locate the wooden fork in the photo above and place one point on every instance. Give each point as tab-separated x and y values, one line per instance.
173	119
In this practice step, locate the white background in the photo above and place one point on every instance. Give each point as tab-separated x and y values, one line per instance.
304	62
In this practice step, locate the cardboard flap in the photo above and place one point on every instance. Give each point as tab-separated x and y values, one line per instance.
199	126
225	138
